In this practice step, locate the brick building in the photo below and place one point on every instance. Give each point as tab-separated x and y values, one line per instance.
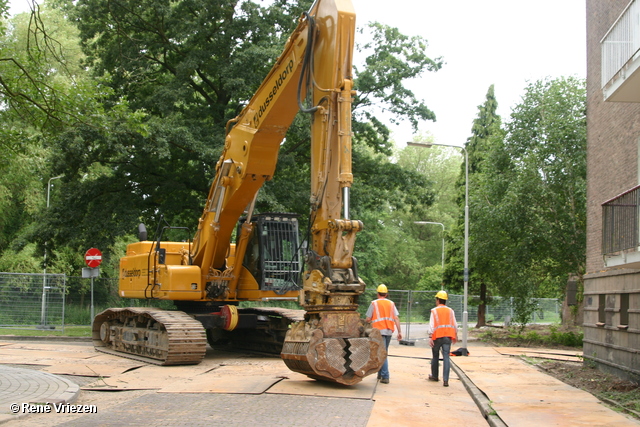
612	279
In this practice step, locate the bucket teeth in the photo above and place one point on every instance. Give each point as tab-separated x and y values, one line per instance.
342	360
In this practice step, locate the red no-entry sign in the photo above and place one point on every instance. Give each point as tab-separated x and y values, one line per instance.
93	257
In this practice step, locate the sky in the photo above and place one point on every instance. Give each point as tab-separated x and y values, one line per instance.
507	43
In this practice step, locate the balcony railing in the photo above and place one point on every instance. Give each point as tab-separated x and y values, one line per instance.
620	61
620	222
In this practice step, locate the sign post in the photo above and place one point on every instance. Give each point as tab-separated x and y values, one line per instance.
93	258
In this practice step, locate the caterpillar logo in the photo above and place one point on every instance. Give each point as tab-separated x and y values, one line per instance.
131	273
272	93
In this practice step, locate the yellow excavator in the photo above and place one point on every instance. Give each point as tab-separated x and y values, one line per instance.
208	278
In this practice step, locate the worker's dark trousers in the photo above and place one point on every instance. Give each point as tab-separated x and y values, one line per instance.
384	371
444	344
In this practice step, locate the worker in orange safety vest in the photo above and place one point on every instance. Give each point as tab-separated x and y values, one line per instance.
443	330
383	315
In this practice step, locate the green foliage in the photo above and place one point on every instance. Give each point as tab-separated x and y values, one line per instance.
387	198
431	278
518	336
414	257
440	166
524	305
116	179
528	196
75	314
531	336
130	104
44	89
20	193
110	267
391	59
43	83
485	132
546	196
202	75
568	338
23	261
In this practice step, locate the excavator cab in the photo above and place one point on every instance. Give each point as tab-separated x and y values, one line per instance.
273	253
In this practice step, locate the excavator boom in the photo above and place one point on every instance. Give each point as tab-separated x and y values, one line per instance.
207	280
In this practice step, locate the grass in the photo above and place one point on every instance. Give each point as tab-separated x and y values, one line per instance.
627	400
538	335
69	331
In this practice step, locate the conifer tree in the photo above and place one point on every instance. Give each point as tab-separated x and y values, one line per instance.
486	127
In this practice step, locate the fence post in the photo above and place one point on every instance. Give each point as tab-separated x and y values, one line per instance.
408	341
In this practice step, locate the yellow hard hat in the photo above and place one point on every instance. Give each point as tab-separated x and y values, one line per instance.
382	289
442	295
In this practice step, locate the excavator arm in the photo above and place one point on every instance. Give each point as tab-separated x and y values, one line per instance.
332	343
248	160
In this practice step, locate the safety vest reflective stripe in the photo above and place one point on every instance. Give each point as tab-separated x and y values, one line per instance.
383	314
447	327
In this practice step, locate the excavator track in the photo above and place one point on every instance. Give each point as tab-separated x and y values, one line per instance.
150	335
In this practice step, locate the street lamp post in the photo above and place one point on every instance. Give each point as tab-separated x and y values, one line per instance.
435	223
43	311
465	313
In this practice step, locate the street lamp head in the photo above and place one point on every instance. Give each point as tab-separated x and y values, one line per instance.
420	144
431	144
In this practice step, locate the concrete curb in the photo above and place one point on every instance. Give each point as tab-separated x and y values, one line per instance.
478	396
34	387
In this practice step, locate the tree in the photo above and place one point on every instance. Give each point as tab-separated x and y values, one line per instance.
181	87
388	197
530	227
484	132
440	166
393	58
172	91
44	89
546	139
153	98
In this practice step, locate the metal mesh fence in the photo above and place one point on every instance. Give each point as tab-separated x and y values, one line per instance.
32	301
415	307
105	290
29	301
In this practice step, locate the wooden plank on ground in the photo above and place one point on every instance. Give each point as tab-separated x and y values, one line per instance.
90	369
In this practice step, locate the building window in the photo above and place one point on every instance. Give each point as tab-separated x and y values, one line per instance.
624	309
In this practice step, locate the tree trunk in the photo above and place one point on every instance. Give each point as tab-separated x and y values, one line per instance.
482	307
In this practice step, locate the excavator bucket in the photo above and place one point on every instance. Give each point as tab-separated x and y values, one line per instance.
342	360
